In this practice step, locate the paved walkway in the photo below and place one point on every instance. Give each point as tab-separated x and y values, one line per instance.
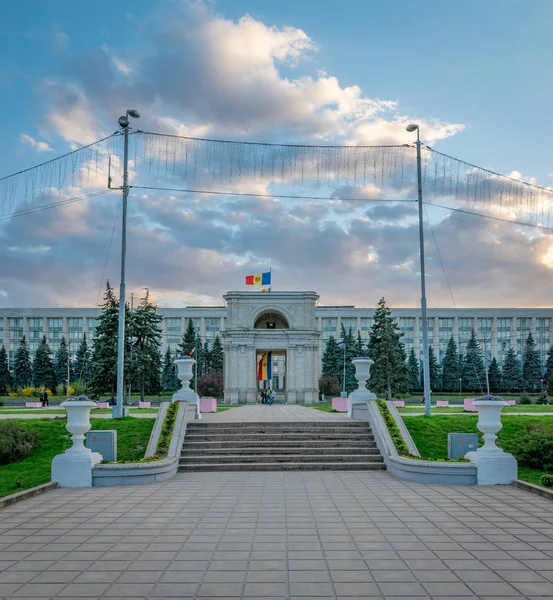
276	413
324	536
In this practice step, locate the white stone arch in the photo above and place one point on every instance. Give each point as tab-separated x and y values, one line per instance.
280	311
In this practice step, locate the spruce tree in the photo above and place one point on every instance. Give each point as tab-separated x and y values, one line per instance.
549	365
207	358
5	377
145	359
60	363
435	372
43	368
413	368
23	374
494	376
81	366
188	341
389	373
450	368
104	356
474	374
511	374
169	380
332	356
216	358
199	355
350	351
531	365
359	346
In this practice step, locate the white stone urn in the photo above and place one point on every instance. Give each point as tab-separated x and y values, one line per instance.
74	467
185	370
494	465
362	370
361	394
78	423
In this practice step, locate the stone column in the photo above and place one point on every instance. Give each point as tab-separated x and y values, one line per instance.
291	396
493	335
251	391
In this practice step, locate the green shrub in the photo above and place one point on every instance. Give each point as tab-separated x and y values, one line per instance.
393	429
79	387
16	443
167	429
535	448
525	398
60	390
547	480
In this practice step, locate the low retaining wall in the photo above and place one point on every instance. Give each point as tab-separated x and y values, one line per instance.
25	494
422	471
107	475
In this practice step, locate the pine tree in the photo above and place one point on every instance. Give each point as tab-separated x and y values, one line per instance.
216	358
145	359
450	368
350	350
494	376
81	366
207	358
104	356
389	373
511	374
413	369
169	380
188	339
43	368
60	363
474	374
332	357
23	374
5	377
199	355
531	365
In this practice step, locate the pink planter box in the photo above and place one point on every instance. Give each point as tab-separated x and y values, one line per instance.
33	404
102	404
208	404
399	403
144	405
340	404
468	404
511	402
442	402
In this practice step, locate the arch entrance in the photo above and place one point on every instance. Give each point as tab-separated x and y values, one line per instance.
282	325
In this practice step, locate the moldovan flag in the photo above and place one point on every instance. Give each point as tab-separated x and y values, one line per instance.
259	279
264	368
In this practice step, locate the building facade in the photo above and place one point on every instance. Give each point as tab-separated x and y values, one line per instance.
498	330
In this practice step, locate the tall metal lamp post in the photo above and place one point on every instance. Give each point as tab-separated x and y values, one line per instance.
117	411
425	362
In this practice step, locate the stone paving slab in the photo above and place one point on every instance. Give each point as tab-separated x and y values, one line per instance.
276	413
273	536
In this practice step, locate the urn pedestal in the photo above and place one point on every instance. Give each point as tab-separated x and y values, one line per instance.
74	467
362	373
494	465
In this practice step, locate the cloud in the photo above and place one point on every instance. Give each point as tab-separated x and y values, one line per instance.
35	144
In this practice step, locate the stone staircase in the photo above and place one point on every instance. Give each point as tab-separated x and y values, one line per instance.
289	446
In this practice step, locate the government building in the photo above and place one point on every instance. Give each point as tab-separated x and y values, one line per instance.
294	327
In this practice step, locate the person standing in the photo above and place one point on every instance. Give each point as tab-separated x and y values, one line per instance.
45	401
41	397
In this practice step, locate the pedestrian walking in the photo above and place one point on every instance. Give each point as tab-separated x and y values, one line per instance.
45	403
41	397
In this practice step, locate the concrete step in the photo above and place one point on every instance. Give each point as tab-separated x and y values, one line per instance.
290	443
285	466
193	430
273	458
195	437
282	425
260	450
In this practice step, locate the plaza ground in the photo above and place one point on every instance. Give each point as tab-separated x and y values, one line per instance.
324	535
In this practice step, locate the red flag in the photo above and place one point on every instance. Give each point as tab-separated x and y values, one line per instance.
192	351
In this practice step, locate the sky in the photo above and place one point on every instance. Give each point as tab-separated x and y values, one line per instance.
474	75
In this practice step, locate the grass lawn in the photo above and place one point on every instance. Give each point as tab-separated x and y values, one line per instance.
322	406
430	435
55	411
223	408
132	440
519	408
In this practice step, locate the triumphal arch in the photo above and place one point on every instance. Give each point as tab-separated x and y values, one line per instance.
282	323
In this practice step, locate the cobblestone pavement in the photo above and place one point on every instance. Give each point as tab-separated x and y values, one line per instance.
277	413
326	535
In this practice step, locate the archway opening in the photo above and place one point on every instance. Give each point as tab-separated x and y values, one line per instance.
271	320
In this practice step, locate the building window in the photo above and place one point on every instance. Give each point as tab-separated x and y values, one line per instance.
55	325
212	326
349	323
173	325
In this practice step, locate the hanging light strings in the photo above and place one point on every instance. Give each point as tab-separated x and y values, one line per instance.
51	180
203	165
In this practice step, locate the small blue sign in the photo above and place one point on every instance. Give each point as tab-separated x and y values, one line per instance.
104	442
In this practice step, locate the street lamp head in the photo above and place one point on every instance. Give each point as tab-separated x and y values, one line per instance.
132	112
412	127
123	122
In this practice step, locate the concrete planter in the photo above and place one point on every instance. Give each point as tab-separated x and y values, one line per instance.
494	465
340	404
362	370
74	467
